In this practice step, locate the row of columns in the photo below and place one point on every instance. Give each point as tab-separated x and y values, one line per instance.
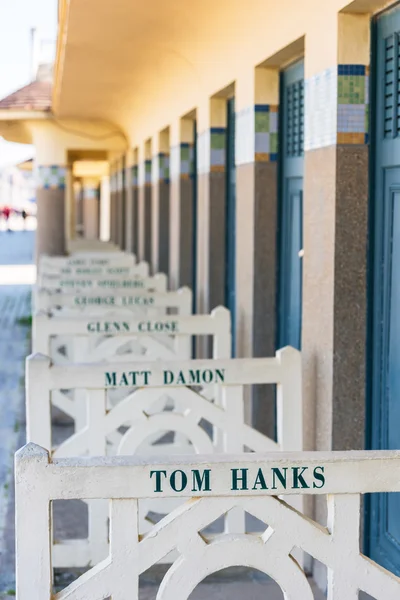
159	177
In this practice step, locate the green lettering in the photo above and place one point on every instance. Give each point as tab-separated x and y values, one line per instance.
146	375
207	375
198	480
319	476
181	378
194	376
174	483
158	479
236	479
260	481
277	473
168	377
124	380
219	375
111	379
298	478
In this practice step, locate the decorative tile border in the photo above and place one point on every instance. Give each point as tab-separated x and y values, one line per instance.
147	171
257	134
51	177
353	104
135	175
217	149
163	167
90	192
266	132
120	180
337	107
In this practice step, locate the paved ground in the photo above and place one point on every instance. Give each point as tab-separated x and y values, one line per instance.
16	274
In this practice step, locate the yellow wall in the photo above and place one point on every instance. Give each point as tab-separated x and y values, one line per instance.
163	63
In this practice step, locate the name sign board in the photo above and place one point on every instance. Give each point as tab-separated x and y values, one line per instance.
113	300
96	271
173	377
111	327
238	479
102	283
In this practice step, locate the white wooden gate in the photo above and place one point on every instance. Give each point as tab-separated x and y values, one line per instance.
113	337
218	399
101	300
216	485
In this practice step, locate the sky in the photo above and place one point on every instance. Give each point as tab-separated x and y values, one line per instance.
17	17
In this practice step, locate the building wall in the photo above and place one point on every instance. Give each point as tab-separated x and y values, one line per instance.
246	62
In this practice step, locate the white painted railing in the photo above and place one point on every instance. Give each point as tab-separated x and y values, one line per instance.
216	485
83	283
142	413
87	260
113	337
55	275
101	300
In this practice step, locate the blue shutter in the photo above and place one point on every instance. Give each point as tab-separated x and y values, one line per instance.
291	206
383	407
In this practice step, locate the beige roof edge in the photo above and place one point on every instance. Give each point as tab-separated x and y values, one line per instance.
7	114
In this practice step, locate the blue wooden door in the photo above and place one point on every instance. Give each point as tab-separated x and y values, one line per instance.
291	206
230	227
383	526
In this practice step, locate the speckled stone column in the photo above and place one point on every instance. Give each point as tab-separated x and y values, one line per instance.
50	233
257	98
90	210
160	213
335	244
182	222
147	214
135	209
113	189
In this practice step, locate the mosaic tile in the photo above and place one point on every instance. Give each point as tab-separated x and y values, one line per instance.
218	138
147	171
51	177
163	167
90	192
135	175
257	134
336	103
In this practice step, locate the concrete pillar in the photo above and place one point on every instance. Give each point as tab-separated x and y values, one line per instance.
211	207
91	208
135	202
128	216
113	189
78	207
160	202
257	98
105	208
120	204
70	206
50	197
181	204
335	236
145	204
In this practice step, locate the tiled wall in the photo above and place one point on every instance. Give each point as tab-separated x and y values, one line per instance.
218	152
353	104
135	174
163	167
147	171
266	132
337	107
51	177
257	134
